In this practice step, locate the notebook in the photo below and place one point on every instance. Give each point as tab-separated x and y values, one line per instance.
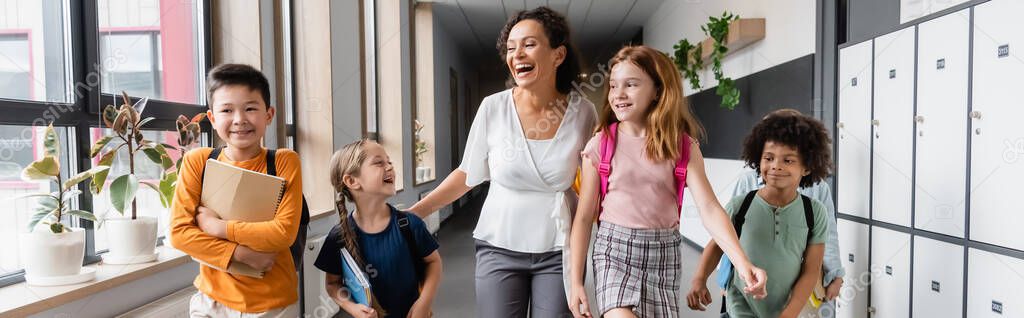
355	279
240	195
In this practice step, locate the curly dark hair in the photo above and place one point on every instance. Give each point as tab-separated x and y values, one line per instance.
557	29
806	134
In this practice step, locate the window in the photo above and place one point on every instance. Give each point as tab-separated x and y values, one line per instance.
32	51
138	38
370	45
149	48
19	146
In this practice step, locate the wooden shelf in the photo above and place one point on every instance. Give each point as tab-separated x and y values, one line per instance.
742	32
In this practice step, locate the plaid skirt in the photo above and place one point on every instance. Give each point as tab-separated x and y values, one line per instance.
638	269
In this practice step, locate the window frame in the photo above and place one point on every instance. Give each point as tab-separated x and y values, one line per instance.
81	112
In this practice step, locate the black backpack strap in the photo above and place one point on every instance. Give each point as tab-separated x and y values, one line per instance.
213	155
300	236
741	215
272	162
808	216
737	224
410	242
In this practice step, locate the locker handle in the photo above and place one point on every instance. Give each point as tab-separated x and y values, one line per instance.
875	122
919	119
975	114
840	125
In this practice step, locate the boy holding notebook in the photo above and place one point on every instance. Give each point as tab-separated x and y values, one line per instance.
239	99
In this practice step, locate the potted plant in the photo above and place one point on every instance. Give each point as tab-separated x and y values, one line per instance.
131	238
52	252
422	172
189	133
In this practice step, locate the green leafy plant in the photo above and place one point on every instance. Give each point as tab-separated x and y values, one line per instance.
55	205
421	145
688	60
189	133
718	29
126	124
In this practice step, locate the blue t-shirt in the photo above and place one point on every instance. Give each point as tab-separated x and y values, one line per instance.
389	264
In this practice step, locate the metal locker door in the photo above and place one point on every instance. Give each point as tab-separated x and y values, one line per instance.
853	129
994	283
893	127
853	251
938	278
890	273
941	161
997	136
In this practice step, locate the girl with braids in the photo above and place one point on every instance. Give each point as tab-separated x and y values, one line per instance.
394	248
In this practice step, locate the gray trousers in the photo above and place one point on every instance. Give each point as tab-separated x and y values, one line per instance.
511	284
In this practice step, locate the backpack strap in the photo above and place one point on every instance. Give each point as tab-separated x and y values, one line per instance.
604	170
410	242
808	216
272	162
680	171
737	224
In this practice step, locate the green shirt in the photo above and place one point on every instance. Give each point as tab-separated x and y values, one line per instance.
774	240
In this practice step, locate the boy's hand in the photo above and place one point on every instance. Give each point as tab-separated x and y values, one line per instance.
420	309
578	304
832	290
360	311
755	279
258	260
210	222
699	297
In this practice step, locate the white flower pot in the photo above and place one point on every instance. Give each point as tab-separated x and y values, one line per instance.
55	259
130	241
422	174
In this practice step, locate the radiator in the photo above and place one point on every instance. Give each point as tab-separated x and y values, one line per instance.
318	303
173	305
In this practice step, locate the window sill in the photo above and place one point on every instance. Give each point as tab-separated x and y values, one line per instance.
21	300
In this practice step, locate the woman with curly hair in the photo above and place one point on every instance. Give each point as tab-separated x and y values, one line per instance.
782	231
526	140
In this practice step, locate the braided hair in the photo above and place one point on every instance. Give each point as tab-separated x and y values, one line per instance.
347	162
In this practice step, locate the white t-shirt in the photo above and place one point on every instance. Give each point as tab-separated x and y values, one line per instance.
530	202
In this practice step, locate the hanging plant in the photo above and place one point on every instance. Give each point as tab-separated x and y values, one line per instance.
688	59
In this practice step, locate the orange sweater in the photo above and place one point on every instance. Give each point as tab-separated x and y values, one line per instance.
278	287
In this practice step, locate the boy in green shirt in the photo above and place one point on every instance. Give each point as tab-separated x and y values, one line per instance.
776	230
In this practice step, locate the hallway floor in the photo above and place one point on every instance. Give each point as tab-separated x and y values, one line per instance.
456	296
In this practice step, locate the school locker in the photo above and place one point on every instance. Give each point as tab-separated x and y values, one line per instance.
853	252
938	278
853	127
997	132
890	273
994	285
893	127
941	152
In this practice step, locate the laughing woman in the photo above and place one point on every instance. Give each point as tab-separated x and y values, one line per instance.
526	140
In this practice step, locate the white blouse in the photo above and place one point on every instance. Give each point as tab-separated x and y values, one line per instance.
530	203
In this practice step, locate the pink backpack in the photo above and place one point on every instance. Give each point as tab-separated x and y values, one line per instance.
605	168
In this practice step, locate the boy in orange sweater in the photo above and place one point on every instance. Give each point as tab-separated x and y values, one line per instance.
239	99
